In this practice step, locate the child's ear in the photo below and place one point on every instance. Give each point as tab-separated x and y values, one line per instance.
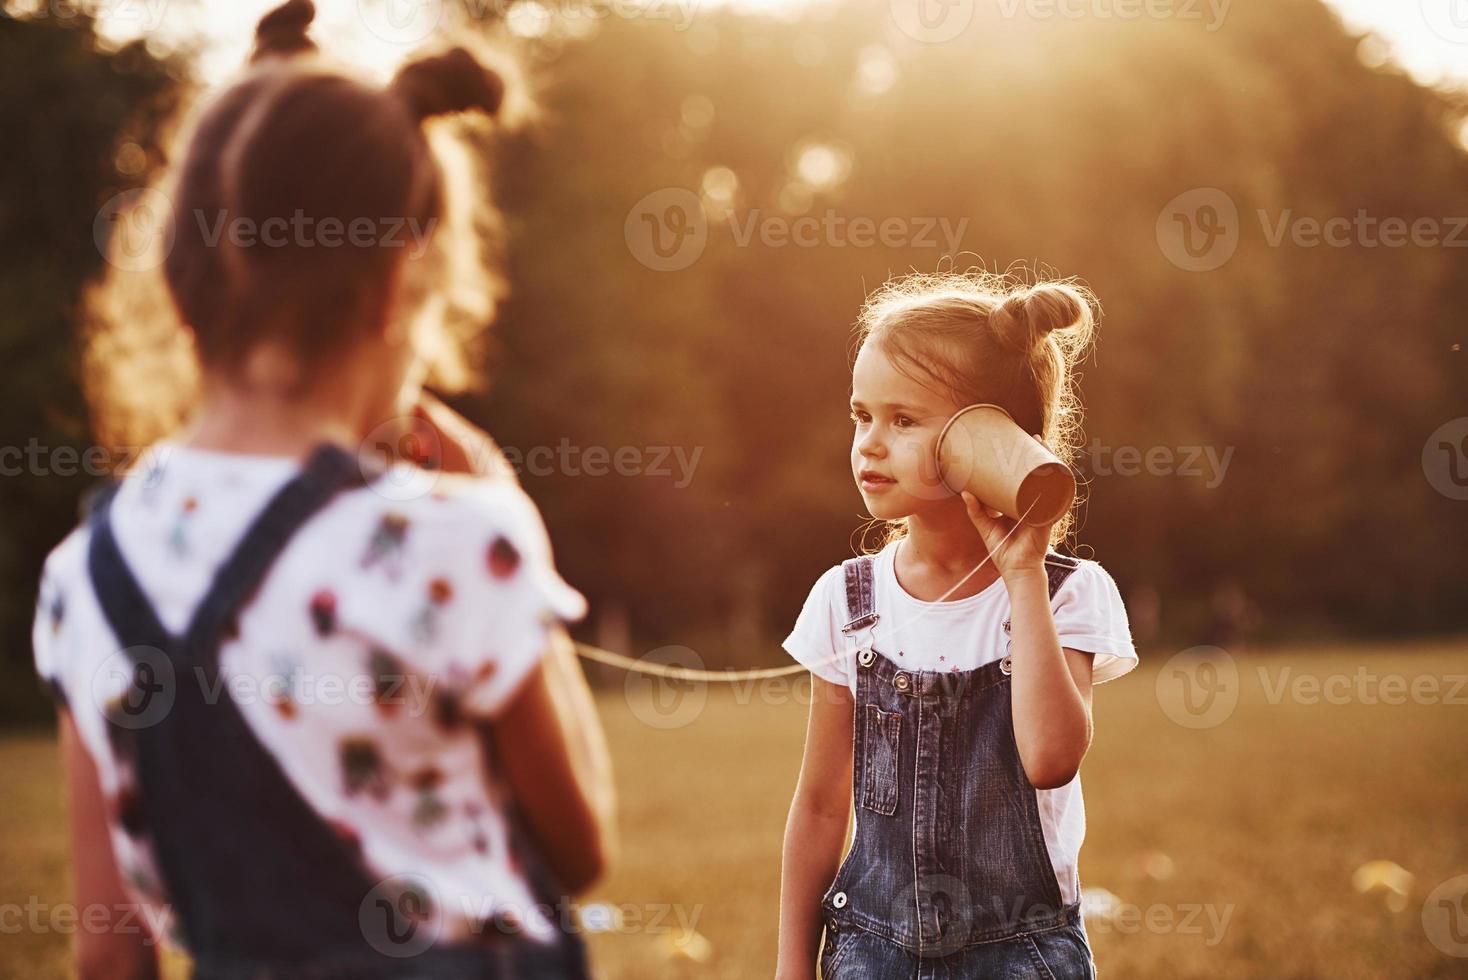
386	307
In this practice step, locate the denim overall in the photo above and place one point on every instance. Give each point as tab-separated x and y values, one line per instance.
259	885
948	875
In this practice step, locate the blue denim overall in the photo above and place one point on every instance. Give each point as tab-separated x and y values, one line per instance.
948	875
259	885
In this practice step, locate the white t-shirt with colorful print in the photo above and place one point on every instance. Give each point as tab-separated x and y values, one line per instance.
398	616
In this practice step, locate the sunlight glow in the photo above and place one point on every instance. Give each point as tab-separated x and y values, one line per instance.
822	165
1426	37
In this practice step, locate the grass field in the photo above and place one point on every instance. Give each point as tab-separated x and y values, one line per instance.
1232	847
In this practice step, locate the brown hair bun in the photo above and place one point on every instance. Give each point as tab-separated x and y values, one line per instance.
454	81
282	32
1028	316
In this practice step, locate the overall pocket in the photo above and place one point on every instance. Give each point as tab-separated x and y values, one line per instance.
1063	953
881	733
834	948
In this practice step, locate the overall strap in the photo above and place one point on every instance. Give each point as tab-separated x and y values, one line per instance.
861	593
126	606
123	601
329	470
1058	568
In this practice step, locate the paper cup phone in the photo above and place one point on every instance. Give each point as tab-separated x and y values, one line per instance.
984	451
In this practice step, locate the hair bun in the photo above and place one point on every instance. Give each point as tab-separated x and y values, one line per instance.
1028	316
282	32
454	81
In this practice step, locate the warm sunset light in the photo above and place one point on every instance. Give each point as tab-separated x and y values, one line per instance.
724	489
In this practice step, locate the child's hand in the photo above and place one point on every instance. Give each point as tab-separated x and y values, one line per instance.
460	445
1023	552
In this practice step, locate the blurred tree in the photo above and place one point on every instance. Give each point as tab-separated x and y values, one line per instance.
1058	142
1316	372
81	122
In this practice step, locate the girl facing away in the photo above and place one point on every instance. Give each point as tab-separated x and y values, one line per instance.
953	669
318	712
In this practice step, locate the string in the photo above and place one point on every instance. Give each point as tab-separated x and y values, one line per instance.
677	672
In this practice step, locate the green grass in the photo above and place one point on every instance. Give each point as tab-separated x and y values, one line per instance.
1269	813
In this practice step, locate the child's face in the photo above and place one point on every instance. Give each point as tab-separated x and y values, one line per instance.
897	421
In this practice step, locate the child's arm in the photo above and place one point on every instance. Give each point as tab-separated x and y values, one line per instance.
1050	686
816	828
550	742
116	952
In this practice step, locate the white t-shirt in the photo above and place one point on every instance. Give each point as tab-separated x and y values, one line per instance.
397	617
964	634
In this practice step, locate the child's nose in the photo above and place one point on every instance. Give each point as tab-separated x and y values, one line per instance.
871	445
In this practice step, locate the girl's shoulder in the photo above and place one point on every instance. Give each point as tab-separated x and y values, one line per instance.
1078	575
479	537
